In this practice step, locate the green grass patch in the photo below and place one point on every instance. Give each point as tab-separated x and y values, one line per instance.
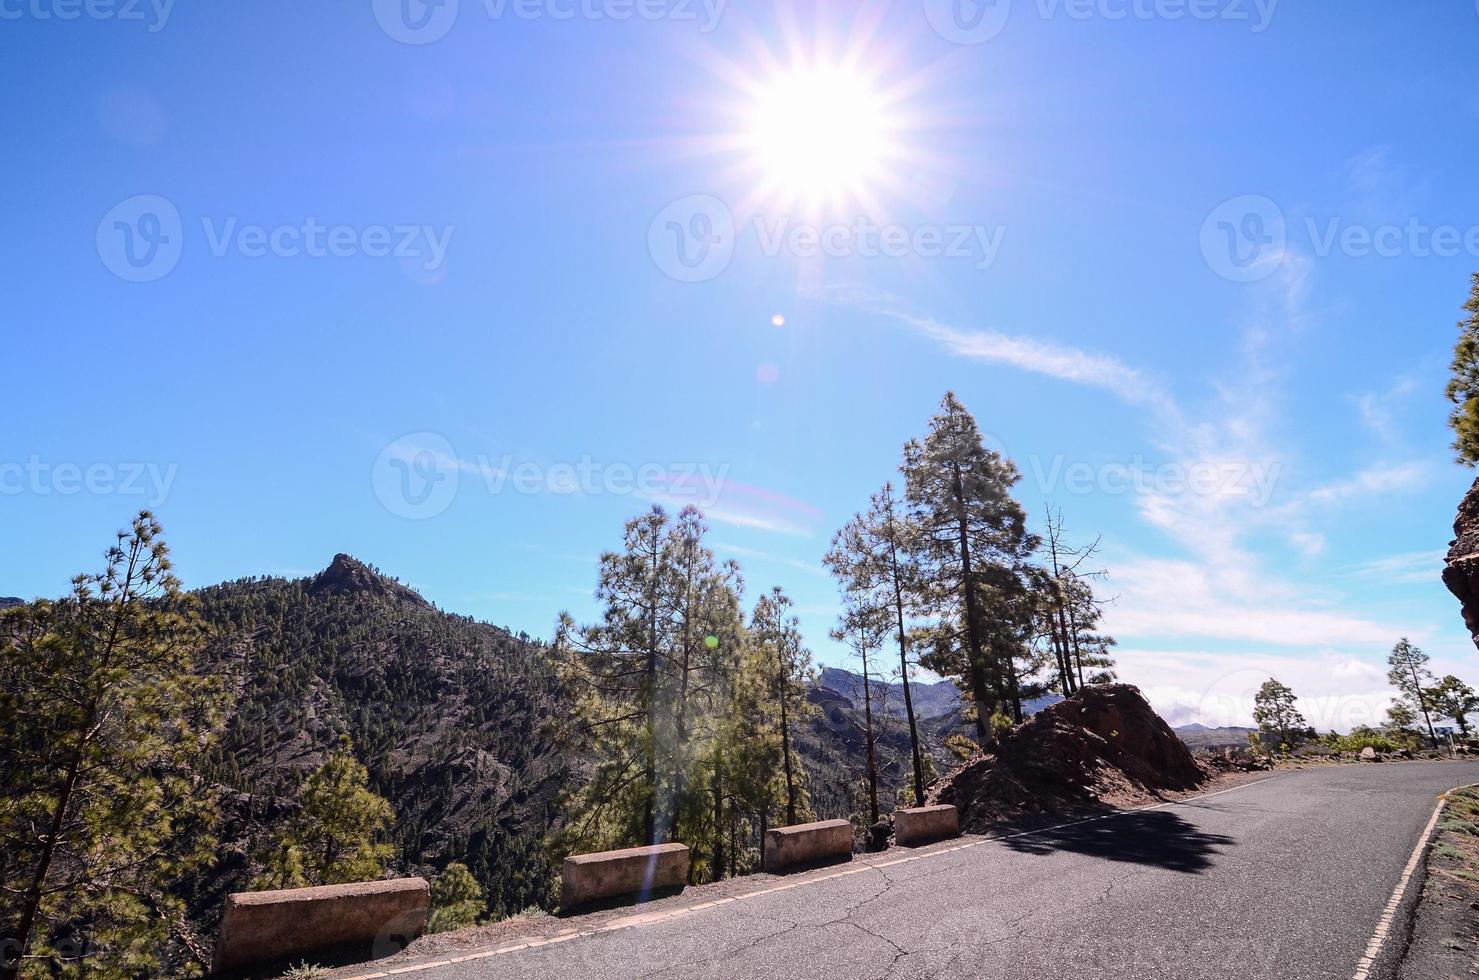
1458	826
1448	851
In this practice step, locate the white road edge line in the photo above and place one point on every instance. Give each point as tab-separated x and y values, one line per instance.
651	918
1389	914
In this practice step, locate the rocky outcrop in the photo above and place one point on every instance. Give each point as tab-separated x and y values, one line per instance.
1102	747
1461	568
347	576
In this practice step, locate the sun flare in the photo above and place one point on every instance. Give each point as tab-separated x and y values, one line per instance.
821	134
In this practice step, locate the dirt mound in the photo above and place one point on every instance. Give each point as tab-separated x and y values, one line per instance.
1104	747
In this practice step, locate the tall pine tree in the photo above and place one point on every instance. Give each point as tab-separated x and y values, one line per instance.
101	809
971	548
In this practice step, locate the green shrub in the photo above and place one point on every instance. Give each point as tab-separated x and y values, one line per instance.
304	971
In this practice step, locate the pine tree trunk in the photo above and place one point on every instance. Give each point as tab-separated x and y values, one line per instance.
1078	657
893	556
872	754
1422	702
985	706
650	816
718	813
1065	679
786	752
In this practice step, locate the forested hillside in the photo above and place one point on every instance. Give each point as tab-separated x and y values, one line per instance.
455	721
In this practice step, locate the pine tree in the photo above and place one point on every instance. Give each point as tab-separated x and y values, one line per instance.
1455	700
870	559
652	681
1277	717
787	663
972	544
101	809
336	835
864	626
456	900
614	669
1409	674
1463	386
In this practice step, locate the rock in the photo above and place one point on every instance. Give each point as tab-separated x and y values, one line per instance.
1404	753
1368	754
1461	567
1104	742
348	576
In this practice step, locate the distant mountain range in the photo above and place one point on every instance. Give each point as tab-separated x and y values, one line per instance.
1202	737
6	601
931	700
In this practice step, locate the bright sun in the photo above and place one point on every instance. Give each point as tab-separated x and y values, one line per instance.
821	135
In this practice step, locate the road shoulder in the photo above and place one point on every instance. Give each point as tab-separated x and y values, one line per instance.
1444	940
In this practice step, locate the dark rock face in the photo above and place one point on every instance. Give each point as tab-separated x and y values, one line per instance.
1461	569
348	576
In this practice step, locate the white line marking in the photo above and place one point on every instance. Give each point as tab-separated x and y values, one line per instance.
1389	914
630	922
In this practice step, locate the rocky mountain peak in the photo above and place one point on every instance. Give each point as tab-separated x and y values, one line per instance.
350	576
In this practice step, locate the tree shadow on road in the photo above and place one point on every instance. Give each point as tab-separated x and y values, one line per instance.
1158	838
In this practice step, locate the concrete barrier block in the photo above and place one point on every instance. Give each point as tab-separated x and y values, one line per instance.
807	842
586	878
922	824
262	926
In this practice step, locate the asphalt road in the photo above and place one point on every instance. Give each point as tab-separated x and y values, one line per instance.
1283	878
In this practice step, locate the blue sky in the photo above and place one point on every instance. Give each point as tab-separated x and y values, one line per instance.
1218	247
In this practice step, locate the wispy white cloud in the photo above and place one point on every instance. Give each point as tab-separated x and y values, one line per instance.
1061	361
1227	592
760	555
1376	410
1413	566
1374	481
